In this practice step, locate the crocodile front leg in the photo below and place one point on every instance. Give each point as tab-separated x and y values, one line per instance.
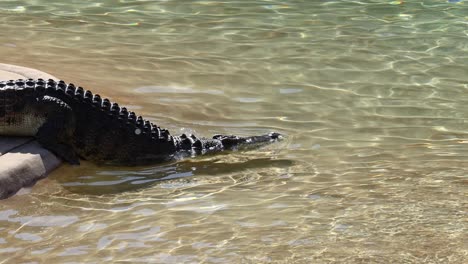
57	131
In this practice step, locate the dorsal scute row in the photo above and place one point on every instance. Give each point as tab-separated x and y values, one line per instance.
38	87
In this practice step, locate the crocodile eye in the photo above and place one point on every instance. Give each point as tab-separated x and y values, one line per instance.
137	131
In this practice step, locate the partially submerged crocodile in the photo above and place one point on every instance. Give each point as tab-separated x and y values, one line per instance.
74	123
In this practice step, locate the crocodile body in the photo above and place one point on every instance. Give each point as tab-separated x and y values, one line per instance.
74	123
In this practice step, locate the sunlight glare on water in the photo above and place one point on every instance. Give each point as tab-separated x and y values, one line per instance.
371	95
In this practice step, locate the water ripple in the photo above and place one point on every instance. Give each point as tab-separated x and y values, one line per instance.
370	94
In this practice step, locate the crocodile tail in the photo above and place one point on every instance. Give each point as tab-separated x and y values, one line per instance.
242	143
222	142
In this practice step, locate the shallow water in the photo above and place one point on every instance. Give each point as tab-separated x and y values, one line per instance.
372	96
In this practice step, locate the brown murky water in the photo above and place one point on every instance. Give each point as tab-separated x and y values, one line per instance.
372	96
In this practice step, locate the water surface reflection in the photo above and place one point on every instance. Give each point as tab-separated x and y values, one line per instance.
372	96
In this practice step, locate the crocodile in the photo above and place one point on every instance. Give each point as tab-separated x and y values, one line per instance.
75	124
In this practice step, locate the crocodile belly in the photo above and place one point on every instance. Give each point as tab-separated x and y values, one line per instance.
21	124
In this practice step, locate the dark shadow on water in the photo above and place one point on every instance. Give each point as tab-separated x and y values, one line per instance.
100	181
